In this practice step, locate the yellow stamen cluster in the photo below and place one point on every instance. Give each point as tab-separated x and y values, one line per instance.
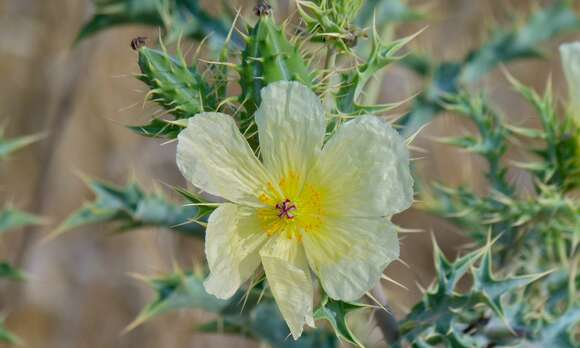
305	201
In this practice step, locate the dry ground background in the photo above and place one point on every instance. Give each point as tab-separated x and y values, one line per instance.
79	293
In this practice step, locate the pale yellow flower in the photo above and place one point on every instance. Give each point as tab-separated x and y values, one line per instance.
303	208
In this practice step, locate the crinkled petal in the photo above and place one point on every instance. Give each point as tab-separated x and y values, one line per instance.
291	126
364	169
214	156
233	239
349	255
289	279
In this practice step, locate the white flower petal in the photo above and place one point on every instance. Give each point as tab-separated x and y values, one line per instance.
215	157
349	255
364	169
570	53
233	238
291	126
289	279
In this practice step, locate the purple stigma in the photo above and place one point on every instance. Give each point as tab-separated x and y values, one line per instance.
286	209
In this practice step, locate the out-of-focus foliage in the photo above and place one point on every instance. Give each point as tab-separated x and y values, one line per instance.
13	219
451	318
251	314
8	337
176	17
504	45
386	12
535	234
517	303
130	207
7	146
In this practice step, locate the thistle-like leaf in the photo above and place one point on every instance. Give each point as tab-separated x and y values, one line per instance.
446	316
504	46
353	82
176	17
7	146
248	314
130	207
387	11
11	218
8	337
268	57
177	87
336	313
7	271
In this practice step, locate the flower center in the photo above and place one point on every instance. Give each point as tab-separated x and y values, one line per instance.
280	212
286	209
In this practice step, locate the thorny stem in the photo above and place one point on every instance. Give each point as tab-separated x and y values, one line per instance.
386	321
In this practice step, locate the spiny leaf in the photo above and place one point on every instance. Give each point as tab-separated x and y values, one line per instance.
561	149
387	11
505	46
8	271
176	17
8	146
11	218
270	327
336	312
502	47
131	208
443	313
559	332
330	22
382	54
177	87
8	337
158	128
269	57
179	291
261	321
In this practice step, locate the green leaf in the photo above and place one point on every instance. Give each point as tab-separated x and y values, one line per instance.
336	312
179	291
386	11
504	46
559	332
444	313
268	325
8	146
131	208
179	88
176	17
110	13
8	337
158	128
269	57
7	271
243	314
11	218
381	55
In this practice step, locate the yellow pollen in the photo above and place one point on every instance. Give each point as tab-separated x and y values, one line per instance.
292	208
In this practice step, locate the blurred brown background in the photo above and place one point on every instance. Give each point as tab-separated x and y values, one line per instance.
79	292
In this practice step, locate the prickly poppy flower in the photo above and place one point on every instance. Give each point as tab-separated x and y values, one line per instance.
305	207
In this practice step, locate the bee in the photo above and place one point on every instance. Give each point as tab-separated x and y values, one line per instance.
138	42
263	8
